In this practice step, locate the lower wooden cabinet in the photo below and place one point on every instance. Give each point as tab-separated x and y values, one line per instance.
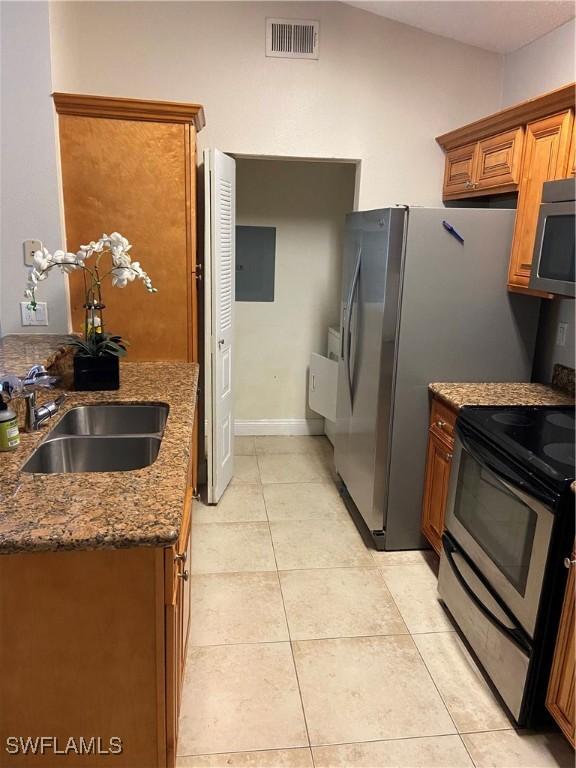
560	697
438	465
93	644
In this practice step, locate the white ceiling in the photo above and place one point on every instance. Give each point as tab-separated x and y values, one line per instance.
496	25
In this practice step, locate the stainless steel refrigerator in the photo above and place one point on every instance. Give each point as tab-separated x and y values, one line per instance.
424	299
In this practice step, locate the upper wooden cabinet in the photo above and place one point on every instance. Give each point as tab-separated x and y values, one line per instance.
545	159
572	160
460	171
515	150
487	165
499	161
130	166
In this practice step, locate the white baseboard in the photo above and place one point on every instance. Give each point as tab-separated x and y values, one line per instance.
279	427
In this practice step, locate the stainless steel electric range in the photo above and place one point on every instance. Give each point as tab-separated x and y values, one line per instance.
509	526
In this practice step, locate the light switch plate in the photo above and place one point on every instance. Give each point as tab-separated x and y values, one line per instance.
561	334
30	247
39	316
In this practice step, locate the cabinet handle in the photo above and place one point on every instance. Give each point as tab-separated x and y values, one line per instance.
448	456
181	558
568	563
183	575
440	423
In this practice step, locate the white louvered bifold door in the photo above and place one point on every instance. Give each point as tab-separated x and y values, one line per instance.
221	240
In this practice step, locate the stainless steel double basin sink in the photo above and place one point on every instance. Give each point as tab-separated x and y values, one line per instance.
102	438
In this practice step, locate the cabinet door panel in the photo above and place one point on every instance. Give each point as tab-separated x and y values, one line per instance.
499	160
545	158
560	698
131	177
460	170
438	464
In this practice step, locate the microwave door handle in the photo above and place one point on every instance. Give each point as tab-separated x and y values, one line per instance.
515	634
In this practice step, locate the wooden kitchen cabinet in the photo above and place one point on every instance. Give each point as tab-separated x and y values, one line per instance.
499	161
130	166
460	171
546	148
517	149
484	166
93	643
560	697
437	477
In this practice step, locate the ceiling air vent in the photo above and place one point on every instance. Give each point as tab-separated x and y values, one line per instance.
291	39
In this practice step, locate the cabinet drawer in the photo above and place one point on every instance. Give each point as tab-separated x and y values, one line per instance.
442	422
323	386
499	160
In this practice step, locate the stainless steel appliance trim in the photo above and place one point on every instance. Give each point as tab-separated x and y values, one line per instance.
561	287
504	661
524	608
348	336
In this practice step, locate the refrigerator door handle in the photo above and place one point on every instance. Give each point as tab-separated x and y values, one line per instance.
347	335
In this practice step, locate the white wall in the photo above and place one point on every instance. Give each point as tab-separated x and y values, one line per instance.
381	91
540	66
29	174
306	202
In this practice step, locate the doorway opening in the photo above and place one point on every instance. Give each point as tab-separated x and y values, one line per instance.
289	221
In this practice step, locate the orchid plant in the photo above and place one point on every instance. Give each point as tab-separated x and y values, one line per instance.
122	271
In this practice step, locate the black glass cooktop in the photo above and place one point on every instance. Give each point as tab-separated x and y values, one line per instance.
539	438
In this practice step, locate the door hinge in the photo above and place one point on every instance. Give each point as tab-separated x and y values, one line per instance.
197	272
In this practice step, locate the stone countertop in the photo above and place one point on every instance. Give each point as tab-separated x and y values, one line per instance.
104	509
457	395
19	352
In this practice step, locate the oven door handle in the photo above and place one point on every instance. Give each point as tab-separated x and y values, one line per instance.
516	634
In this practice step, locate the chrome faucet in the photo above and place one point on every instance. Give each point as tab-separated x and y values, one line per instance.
26	387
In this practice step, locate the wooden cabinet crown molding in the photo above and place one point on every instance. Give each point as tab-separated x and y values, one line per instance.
129	109
511	117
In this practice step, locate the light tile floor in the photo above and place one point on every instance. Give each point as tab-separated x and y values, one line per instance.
308	650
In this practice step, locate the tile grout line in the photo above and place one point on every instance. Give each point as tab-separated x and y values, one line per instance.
290	641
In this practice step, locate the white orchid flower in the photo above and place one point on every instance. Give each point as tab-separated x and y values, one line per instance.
123	270
41	259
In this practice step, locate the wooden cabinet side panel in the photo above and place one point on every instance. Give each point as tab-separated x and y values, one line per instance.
572	159
545	158
130	177
79	653
560	697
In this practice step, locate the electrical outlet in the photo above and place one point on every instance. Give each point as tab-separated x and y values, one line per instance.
561	334
30	247
39	316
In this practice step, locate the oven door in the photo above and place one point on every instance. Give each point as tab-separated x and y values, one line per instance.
500	526
553	265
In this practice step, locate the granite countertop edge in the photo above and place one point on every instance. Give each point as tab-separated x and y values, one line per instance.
460	394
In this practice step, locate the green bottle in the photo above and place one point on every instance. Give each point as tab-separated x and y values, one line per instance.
9	435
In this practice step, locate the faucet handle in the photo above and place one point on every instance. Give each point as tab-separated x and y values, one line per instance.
38	376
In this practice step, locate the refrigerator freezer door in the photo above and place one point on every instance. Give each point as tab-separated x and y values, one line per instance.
371	280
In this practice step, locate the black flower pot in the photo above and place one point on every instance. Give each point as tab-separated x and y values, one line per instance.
95	373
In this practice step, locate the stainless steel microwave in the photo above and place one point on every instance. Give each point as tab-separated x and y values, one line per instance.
553	264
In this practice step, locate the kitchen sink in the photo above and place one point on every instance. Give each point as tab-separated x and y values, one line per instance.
137	419
94	454
102	438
